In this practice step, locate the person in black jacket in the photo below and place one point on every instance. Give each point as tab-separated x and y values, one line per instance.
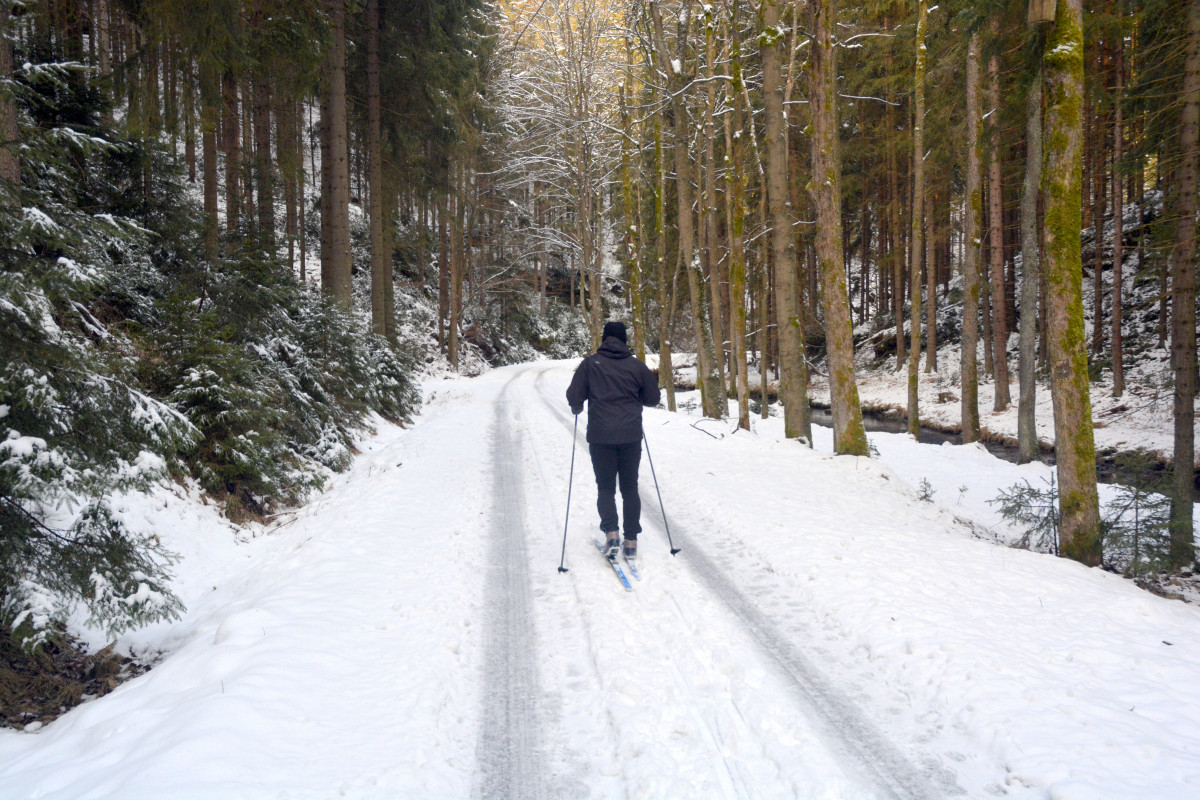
616	386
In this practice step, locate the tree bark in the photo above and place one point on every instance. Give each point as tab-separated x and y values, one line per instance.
380	263
793	366
1002	398
1118	193
1183	300
931	245
971	252
916	245
633	266
1079	510
735	210
849	435
1099	203
339	167
10	163
233	152
1027	442
708	202
896	249
707	377
210	115
666	288
444	259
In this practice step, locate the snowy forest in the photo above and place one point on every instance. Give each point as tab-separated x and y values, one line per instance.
253	252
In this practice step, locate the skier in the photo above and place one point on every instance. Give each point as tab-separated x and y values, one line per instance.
616	386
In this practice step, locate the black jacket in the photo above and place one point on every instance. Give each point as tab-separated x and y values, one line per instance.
616	386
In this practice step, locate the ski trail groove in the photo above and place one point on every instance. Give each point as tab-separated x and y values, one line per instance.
509	754
847	731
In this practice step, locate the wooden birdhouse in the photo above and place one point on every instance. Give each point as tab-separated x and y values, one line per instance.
1041	11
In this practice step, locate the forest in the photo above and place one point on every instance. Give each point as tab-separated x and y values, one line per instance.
234	232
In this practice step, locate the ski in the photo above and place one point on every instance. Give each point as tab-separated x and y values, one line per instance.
633	568
616	565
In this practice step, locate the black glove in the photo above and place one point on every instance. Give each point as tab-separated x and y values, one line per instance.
576	410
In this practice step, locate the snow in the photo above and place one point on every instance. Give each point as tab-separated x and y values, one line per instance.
824	632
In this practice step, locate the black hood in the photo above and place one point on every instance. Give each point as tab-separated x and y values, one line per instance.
614	348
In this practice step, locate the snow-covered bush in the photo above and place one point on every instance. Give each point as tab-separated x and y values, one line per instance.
74	424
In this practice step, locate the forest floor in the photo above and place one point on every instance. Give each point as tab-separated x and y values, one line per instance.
833	627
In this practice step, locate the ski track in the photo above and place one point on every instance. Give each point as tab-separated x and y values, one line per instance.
853	741
509	757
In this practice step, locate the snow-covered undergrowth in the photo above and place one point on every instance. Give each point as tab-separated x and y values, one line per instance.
347	649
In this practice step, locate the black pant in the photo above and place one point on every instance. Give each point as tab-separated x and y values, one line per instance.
610	462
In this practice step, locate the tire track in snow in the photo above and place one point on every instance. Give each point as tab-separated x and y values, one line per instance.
846	731
509	754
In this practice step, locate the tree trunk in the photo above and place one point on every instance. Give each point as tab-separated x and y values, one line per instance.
633	267
262	159
1118	193
735	212
708	202
1183	301
1027	442
233	152
996	240
896	250
444	260
10	163
849	435
916	246
707	377
339	157
666	289
793	380
1099	203
931	245
210	115
1079	510
380	263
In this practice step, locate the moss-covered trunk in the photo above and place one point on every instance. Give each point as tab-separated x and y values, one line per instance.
849	435
735	211
1062	187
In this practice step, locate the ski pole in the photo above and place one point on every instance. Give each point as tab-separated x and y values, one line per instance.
570	483
674	549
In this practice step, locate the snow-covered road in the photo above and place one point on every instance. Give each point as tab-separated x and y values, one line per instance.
823	633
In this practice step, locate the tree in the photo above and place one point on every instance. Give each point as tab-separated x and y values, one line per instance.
1183	299
793	366
735	212
971	247
10	163
999	304
335	164
1027	442
382	312
917	246
1063	202
708	377
849	435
